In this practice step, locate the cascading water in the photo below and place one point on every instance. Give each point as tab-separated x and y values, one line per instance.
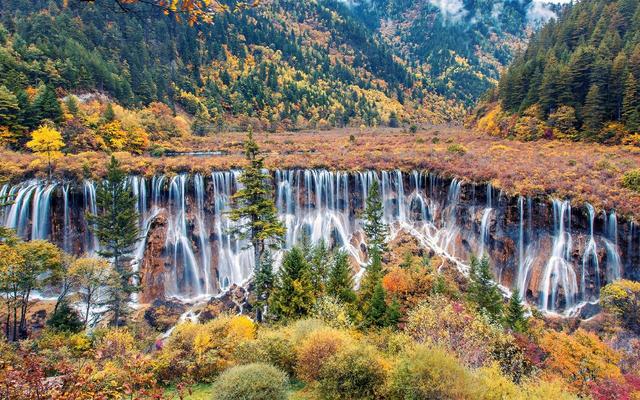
558	273
614	267
201	254
590	258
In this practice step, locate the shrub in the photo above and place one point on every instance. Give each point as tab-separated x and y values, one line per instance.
65	319
453	327
353	373
270	347
314	352
333	312
256	381
622	299
413	128
631	180
430	373
457	149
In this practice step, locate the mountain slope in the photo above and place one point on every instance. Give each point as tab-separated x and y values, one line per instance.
578	78
285	63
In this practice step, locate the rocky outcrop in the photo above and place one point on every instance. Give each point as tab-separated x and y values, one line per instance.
152	268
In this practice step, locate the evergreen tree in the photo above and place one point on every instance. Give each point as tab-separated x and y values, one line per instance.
65	319
293	295
374	227
483	291
9	109
631	104
116	227
254	207
263	282
595	110
320	261
47	107
515	318
109	115
340	282
366	295
376	312
393	313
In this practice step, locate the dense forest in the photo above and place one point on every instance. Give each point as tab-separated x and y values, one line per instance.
285	63
578	78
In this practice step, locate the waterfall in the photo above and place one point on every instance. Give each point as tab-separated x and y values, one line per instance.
590	257
484	230
203	254
614	268
558	273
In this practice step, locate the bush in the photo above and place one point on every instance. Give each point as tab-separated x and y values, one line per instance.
271	348
631	180
353	373
430	373
256	381
456	148
65	319
314	352
622	299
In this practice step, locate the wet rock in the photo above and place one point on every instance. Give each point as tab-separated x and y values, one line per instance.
153	263
235	301
163	314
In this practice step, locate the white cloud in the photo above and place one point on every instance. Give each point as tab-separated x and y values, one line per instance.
451	10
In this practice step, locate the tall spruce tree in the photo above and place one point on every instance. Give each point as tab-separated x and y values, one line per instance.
373	216
293	294
340	282
116	227
631	104
515	318
254	208
483	291
320	260
263	283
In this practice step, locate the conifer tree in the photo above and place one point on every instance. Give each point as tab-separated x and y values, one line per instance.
263	281
373	216
340	282
47	107
376	312
483	292
595	110
254	207
320	261
293	294
631	104
393	313
515	318
368	303
9	109
116	227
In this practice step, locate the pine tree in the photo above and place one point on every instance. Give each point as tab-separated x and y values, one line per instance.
376	312
483	291
109	115
393	313
47	107
9	109
595	110
366	294
263	283
320	261
254	207
293	293
116	227
631	104
340	282
374	227
515	318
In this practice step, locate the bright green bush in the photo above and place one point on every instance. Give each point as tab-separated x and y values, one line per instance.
631	180
430	373
256	381
456	149
353	373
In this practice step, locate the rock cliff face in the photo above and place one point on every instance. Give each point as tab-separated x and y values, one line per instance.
558	256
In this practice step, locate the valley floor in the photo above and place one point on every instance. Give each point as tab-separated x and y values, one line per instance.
586	172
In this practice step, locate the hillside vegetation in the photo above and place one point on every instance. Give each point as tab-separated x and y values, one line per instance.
577	80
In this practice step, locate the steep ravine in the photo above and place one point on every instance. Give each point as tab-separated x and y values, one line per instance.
557	255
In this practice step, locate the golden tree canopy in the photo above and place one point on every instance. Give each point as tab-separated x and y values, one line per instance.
46	141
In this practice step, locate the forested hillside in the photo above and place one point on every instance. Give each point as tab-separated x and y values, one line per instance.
283	64
578	79
459	47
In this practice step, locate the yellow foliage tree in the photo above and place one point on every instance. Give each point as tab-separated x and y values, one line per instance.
47	143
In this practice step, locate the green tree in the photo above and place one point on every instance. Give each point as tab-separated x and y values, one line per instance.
320	261
254	207
47	107
109	115
376	312
116	227
631	104
9	112
373	216
370	292
483	291
340	282
293	295
65	319
595	110
263	281
515	318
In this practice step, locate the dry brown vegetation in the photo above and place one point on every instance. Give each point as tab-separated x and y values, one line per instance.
585	172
